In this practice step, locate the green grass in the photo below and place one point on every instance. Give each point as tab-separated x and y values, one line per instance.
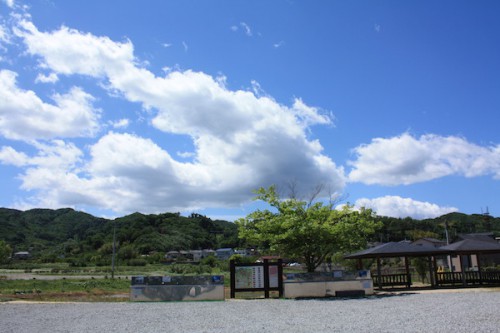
64	283
65	289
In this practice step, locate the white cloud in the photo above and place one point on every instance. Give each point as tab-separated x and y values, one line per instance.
395	206
407	160
5	40
241	140
67	51
122	123
186	154
279	44
24	116
51	78
9	3
246	28
308	115
4	35
9	155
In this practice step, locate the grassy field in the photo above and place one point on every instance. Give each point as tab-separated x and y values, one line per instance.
49	282
65	289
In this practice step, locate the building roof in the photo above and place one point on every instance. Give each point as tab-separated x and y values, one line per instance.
470	246
404	249
484	236
396	249
432	240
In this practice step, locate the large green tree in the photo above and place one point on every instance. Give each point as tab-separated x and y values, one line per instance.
309	231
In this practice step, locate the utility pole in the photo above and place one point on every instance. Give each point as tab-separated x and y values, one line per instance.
448	243
114	251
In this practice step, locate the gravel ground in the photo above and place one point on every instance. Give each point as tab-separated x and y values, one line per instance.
474	311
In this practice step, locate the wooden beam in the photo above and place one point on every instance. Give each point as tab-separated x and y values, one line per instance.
462	268
408	274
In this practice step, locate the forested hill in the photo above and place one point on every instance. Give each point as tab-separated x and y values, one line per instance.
395	229
66	232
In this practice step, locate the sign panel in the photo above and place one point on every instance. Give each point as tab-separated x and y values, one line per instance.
273	276
249	277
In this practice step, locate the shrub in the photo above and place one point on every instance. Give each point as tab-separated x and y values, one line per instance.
137	262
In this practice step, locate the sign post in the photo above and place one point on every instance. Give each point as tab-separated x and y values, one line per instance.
266	277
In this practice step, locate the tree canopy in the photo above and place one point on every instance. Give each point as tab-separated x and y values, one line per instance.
309	231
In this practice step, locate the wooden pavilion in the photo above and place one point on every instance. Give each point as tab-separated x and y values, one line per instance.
408	250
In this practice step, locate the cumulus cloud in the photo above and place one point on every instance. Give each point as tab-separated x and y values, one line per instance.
278	44
246	28
54	161
9	3
241	140
67	51
4	35
395	206
42	78
24	116
9	155
406	159
122	123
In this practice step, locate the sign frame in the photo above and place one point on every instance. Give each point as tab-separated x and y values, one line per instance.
268	269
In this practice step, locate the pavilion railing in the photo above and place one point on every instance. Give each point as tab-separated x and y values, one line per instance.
473	277
491	277
391	280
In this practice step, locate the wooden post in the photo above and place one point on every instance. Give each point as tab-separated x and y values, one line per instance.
435	271
280	277
379	274
408	274
266	278
462	268
479	269
431	274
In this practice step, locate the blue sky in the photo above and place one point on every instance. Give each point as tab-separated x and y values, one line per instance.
113	107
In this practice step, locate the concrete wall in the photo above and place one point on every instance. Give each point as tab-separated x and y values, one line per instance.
177	288
177	293
325	288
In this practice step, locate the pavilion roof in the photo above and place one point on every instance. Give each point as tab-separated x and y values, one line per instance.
396	249
470	246
405	249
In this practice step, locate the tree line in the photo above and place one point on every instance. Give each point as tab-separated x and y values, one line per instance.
82	239
312	232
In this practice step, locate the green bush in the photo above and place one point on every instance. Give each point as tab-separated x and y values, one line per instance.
77	262
211	261
137	262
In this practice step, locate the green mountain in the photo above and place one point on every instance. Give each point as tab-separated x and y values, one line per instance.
396	229
66	233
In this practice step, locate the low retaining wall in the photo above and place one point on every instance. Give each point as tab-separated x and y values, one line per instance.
177	288
327	285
